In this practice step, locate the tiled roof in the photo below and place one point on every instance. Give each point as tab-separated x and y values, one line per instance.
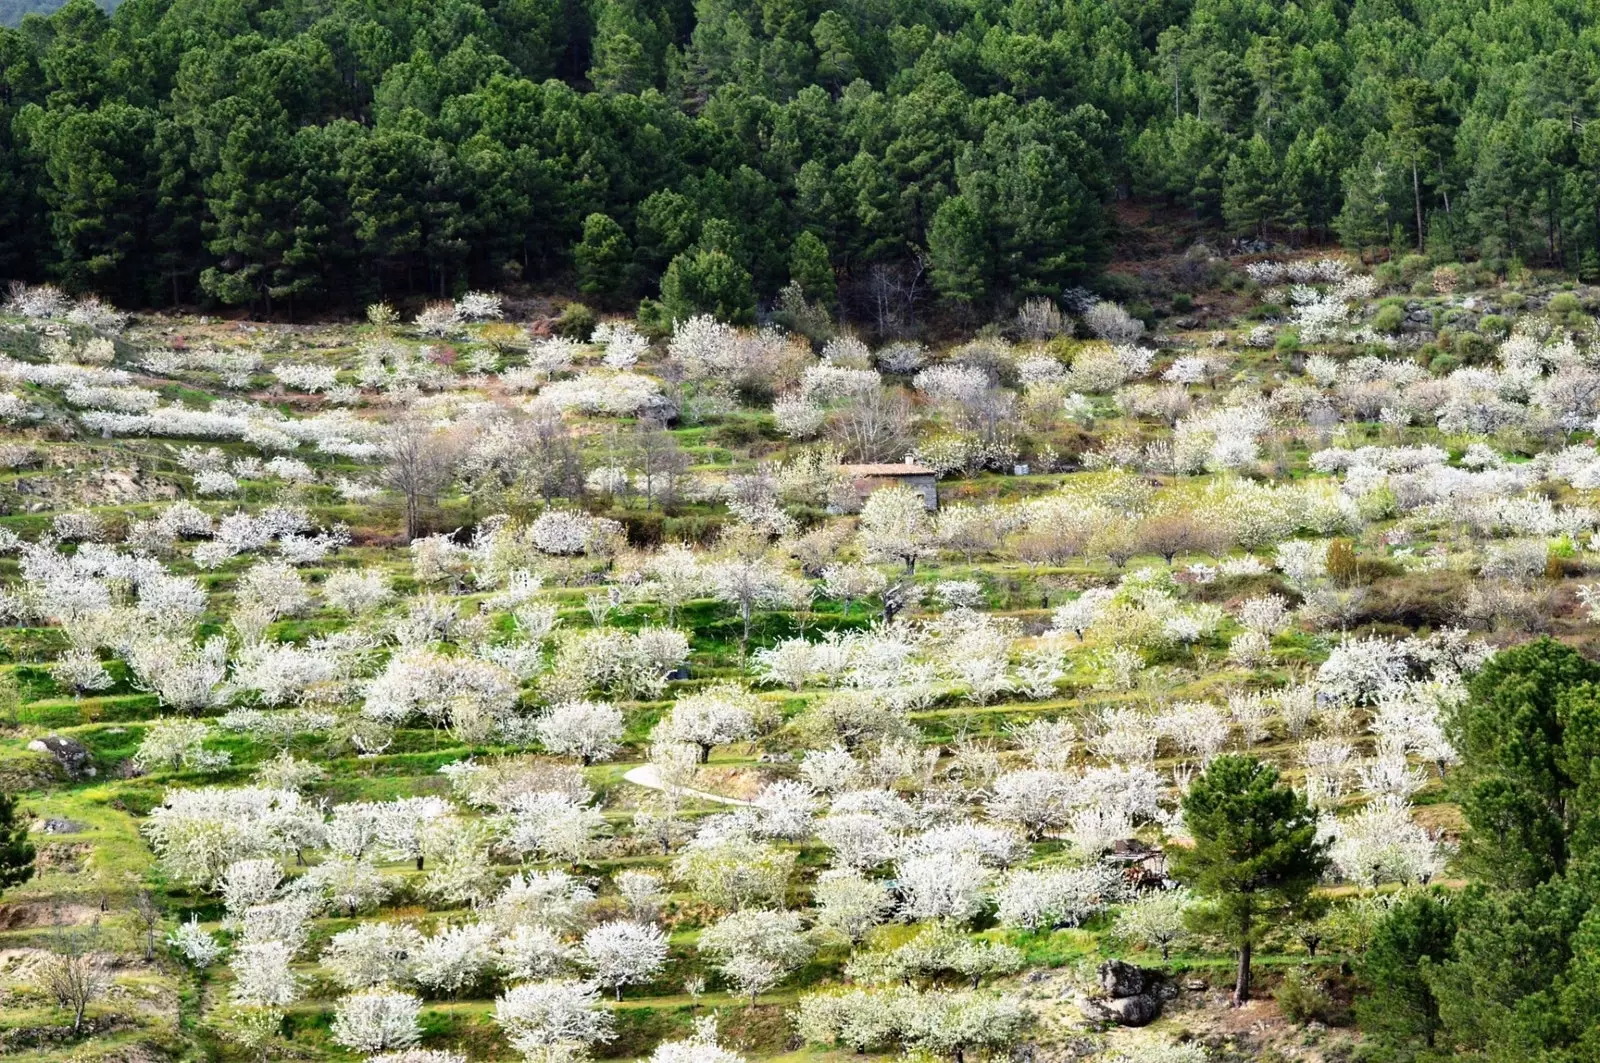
900	468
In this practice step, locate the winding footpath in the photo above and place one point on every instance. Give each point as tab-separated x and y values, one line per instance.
649	776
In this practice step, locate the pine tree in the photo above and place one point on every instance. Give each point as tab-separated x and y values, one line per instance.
1252	193
810	268
1255	857
604	258
16	852
958	251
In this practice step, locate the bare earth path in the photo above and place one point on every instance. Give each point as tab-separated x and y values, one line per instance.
649	776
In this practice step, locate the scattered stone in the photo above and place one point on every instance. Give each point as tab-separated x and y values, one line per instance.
55	825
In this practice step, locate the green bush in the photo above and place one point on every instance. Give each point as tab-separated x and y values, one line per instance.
1142	310
1182	303
1444	364
1494	325
1389	319
576	322
1288	341
1514	300
1564	303
1414	266
1470	347
1301	997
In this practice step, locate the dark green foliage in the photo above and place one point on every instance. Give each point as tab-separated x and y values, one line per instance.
1416	936
1511	969
604	258
809	267
320	156
16	852
708	278
1529	781
1255	857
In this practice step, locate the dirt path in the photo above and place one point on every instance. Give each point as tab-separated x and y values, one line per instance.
649	776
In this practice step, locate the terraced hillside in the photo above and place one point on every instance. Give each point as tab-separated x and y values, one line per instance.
508	684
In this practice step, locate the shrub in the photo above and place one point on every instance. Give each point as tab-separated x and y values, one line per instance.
1389	319
1470	347
1342	564
1564	303
576	322
1288	341
1414	266
1494	325
1301	997
1182	303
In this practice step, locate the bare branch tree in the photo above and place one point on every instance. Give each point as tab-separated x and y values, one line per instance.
147	920
875	427
419	461
74	974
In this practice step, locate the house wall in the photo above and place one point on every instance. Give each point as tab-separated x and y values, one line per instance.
924	485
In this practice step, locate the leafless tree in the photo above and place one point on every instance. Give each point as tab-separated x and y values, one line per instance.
147	920
74	974
1049	545
894	288
419	461
658	464
817	548
875	427
1171	534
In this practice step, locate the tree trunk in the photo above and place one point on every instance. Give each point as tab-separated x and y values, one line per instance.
1416	194
1241	986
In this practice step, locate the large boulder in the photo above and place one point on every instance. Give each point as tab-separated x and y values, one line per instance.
1140	1010
71	754
1121	979
1133	995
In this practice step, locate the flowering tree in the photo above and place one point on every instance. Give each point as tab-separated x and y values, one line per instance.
552	1021
588	730
455	958
734	872
178	745
849	904
624	953
750	583
755	950
1156	919
895	526
372	954
376	1020
1036	799
709	718
941	886
262	976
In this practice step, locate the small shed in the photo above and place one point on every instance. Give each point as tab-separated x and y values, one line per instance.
868	478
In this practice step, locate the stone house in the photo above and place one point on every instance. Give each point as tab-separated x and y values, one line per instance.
865	479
